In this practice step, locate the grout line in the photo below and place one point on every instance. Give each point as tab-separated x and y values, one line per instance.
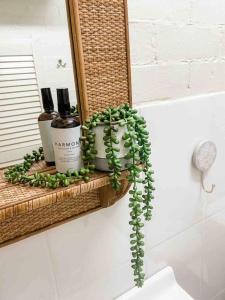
189	22
219	294
189	76
176	100
201	221
180	61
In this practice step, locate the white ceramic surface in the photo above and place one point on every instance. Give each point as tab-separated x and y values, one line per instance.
26	271
161	286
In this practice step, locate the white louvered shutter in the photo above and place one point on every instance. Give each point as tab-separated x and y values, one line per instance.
19	103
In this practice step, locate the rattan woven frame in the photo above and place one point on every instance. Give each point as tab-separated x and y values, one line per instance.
100	48
100	38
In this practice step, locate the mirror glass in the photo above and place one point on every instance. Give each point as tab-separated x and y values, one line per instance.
35	53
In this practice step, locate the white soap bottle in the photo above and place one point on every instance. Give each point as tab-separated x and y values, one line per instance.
66	136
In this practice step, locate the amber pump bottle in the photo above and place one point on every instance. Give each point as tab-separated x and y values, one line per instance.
66	136
44	122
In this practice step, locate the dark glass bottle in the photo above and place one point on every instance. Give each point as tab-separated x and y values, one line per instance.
66	136
44	122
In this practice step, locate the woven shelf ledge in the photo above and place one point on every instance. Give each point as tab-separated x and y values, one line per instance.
25	209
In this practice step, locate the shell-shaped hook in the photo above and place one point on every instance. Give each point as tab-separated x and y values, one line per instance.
204	157
207	190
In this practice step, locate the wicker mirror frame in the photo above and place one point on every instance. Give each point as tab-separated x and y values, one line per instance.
100	51
100	40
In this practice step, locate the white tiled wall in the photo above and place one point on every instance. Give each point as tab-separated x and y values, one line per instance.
43	24
177	50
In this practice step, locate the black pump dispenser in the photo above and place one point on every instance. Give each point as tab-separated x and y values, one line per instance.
63	102
47	99
44	122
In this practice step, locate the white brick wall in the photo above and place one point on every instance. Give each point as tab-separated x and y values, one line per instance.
160	81
164	10
210	12
177	48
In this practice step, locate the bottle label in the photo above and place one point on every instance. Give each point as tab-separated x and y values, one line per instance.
66	144
46	137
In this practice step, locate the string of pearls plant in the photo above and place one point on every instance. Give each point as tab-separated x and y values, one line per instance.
19	174
136	142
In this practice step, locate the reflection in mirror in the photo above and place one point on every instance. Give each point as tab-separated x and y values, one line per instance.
35	53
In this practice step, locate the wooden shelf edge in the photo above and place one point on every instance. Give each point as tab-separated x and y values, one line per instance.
48	227
49	197
19	220
108	196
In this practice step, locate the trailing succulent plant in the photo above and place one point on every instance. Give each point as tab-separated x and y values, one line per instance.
19	174
74	111
136	142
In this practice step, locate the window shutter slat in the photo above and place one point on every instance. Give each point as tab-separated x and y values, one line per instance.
20	107
17	113
18	95
15	89
13	136
21	144
19	104
17	77
14	83
17	118
16	65
12	101
16	58
13	130
18	123
17	71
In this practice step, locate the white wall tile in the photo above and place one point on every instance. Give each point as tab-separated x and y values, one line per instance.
26	271
223	42
90	250
113	284
216	201
220	296
213	256
176	130
183	254
158	82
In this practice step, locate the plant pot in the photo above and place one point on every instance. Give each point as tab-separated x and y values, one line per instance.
101	162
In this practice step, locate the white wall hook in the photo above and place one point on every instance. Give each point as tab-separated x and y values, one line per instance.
203	158
209	191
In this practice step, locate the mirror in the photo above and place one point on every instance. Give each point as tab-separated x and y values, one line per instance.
35	52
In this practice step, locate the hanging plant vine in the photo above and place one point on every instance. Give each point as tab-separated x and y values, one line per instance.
136	142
